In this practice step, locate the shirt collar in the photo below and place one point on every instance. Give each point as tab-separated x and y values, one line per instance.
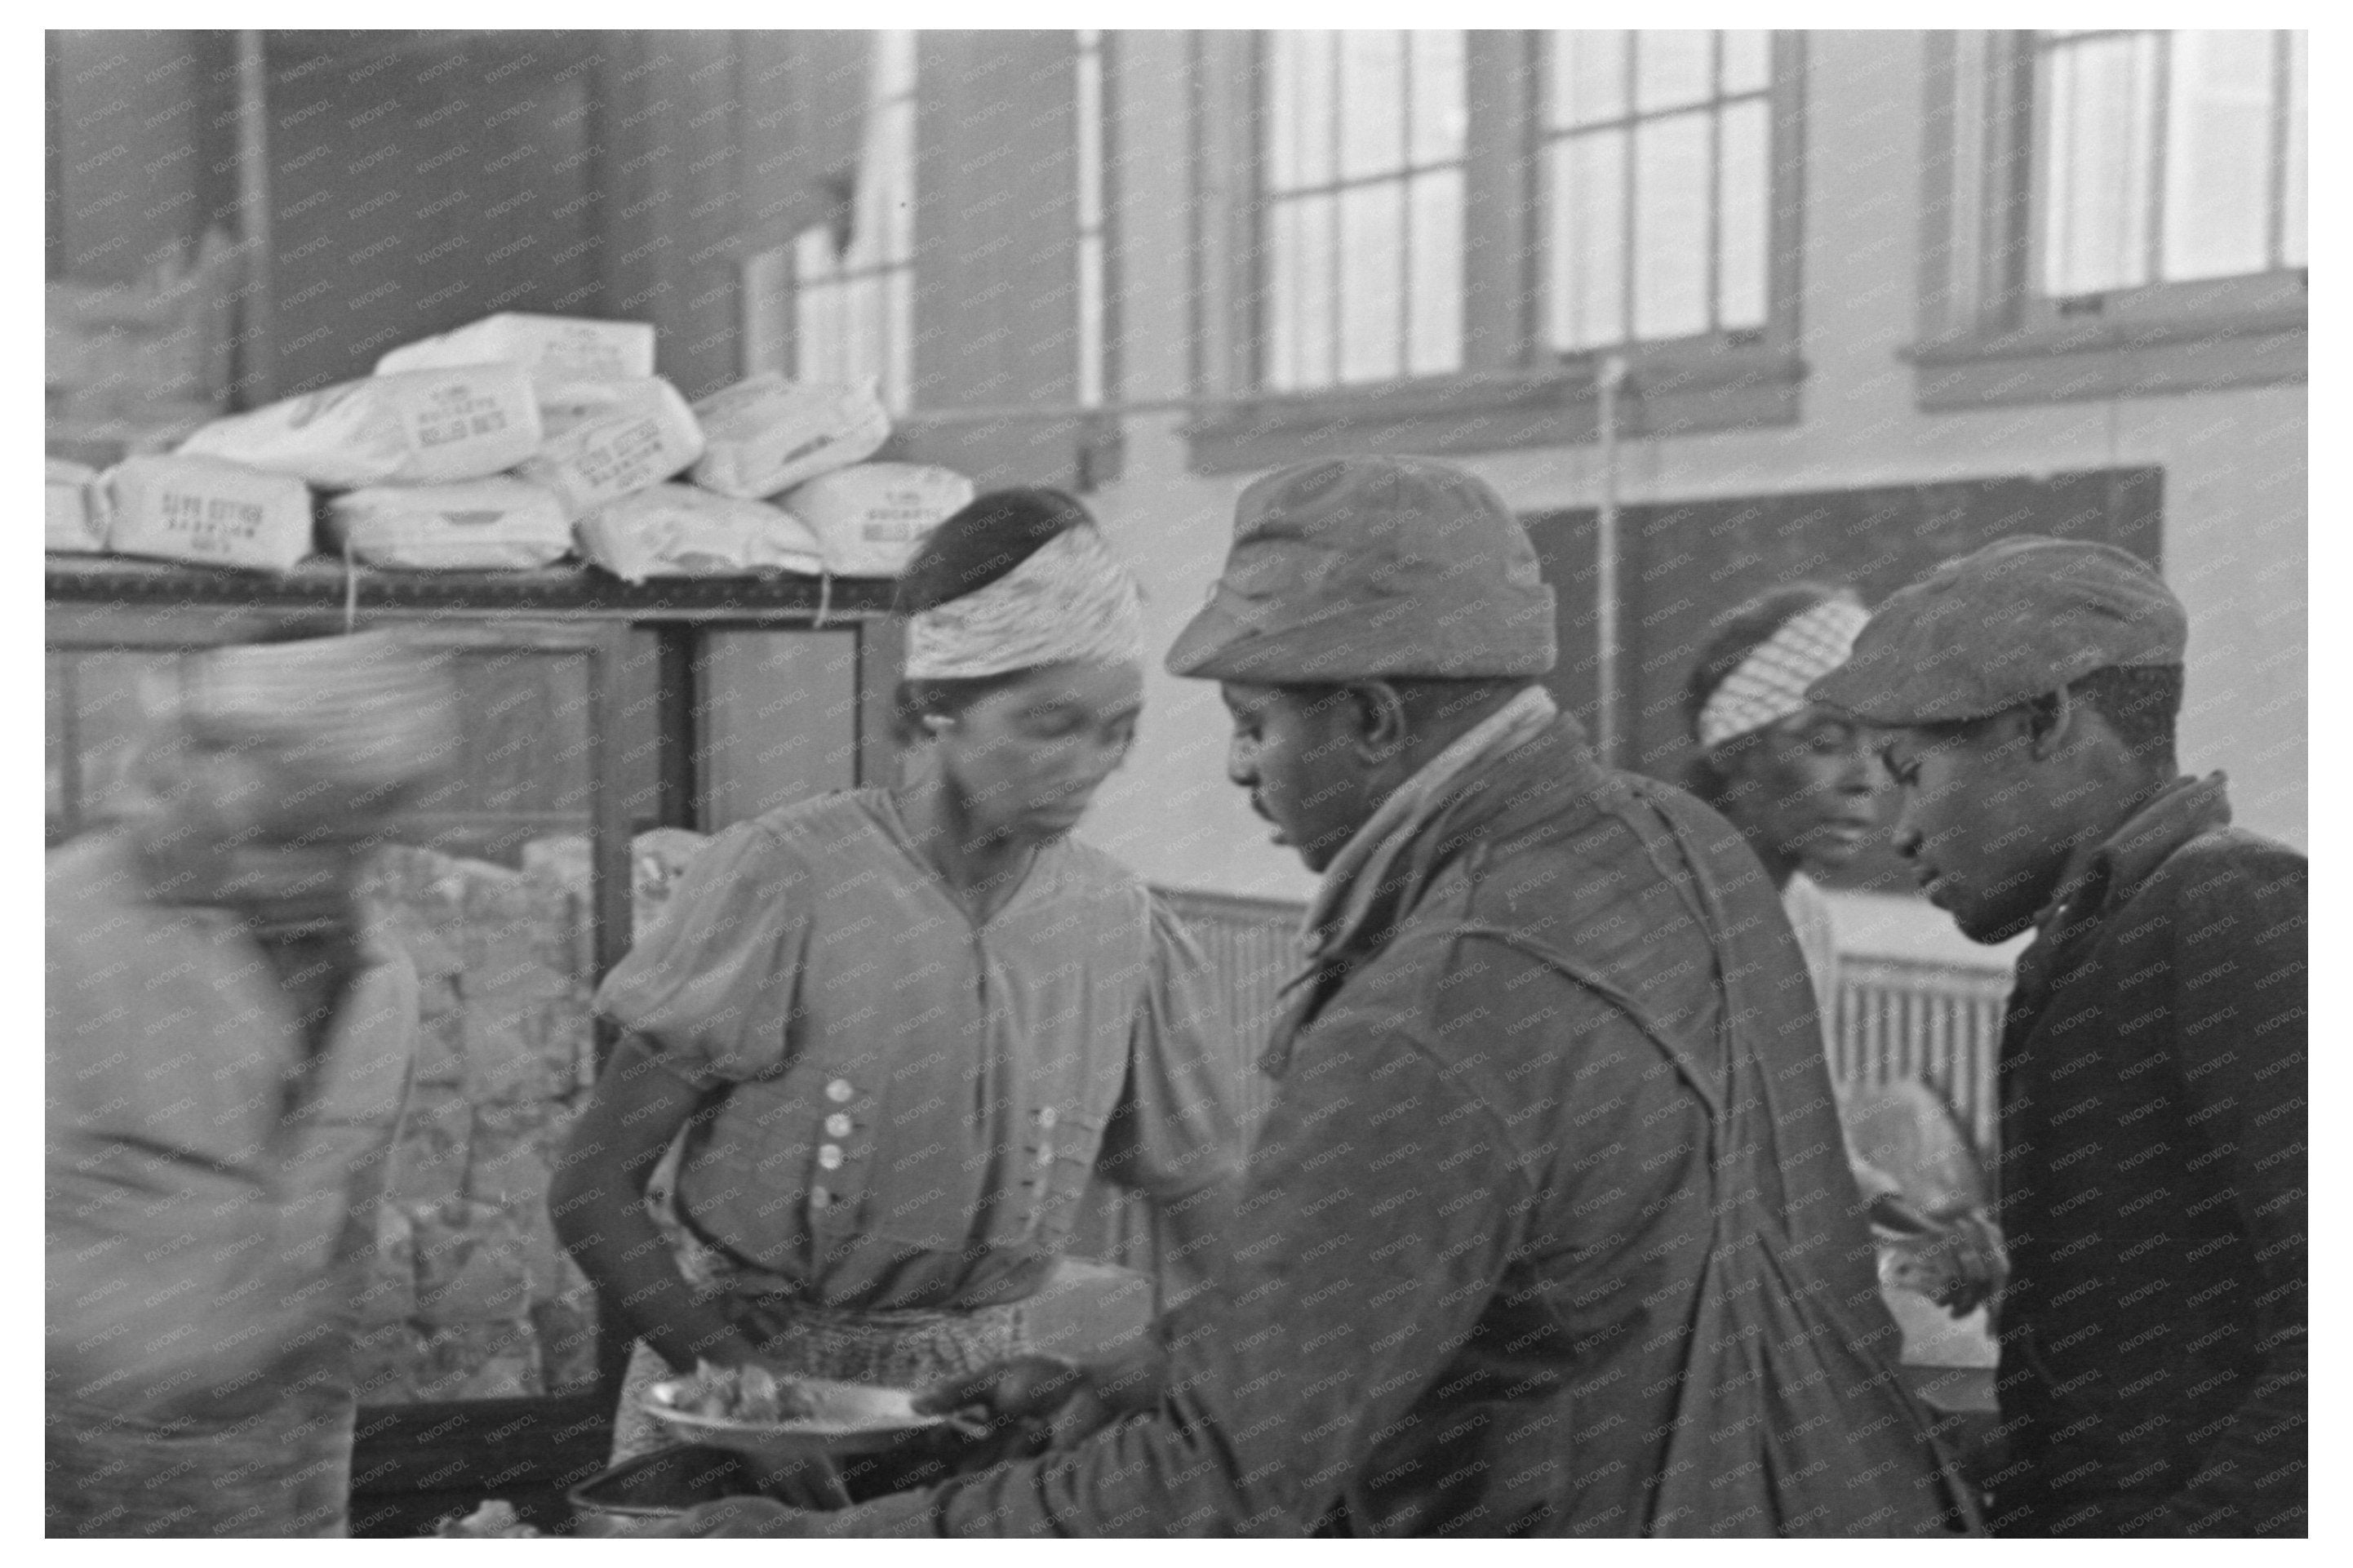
2108	871
1358	872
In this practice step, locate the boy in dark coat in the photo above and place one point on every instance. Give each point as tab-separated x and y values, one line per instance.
2152	1172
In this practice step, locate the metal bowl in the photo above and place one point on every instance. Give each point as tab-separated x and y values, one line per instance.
655	1489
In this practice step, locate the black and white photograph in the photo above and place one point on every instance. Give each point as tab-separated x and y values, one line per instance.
1174	781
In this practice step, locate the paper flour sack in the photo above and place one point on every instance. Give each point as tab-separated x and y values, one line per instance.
600	460
204	510
487	525
769	434
559	352
568	408
426	427
869	519
678	530
75	520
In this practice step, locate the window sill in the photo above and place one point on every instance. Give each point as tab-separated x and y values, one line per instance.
2126	356
1668	392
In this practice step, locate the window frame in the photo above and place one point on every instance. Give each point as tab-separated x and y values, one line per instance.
1104	231
1513	390
2038	45
1263	199
1987	337
1627	122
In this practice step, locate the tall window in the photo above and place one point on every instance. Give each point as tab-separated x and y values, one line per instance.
2167	156
1361	177
1094	203
1656	161
853	295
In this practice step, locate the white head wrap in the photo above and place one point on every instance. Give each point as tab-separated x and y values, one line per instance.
365	711
1771	682
1069	598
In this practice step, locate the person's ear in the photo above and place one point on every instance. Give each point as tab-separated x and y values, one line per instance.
2053	723
1379	717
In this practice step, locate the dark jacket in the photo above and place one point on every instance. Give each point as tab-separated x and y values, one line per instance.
1549	1230
2152	1184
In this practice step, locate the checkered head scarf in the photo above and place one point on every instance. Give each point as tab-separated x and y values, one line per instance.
1770	682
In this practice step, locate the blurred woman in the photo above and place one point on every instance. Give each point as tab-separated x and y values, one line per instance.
229	1044
901	1027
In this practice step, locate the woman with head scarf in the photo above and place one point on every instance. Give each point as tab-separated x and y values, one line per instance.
901	1028
1795	779
1799	780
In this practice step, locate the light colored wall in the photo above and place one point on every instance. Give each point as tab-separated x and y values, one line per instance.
2234	463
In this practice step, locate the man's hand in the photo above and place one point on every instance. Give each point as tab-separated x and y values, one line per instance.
1022	1407
1959	1264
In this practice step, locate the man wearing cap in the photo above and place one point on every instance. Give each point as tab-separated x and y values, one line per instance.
1548	1231
2152	1164
229	1053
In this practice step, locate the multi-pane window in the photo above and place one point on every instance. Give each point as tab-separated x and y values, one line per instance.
1657	166
1093	202
1361	185
2167	156
853	295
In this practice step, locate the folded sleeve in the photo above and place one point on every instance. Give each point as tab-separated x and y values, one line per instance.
710	986
1179	1125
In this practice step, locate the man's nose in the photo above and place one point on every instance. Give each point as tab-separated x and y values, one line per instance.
1907	837
1241	766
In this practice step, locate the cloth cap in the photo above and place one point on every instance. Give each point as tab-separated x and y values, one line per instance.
1355	568
364	713
2014	622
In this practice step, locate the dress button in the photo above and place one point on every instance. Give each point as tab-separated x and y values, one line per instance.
837	1124
828	1155
819	1198
1046	1118
1046	1155
839	1091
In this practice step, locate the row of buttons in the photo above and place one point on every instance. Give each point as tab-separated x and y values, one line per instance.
837	1124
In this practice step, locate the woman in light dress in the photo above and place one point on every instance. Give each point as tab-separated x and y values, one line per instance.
903	1027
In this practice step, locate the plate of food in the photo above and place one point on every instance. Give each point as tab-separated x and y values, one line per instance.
752	1410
